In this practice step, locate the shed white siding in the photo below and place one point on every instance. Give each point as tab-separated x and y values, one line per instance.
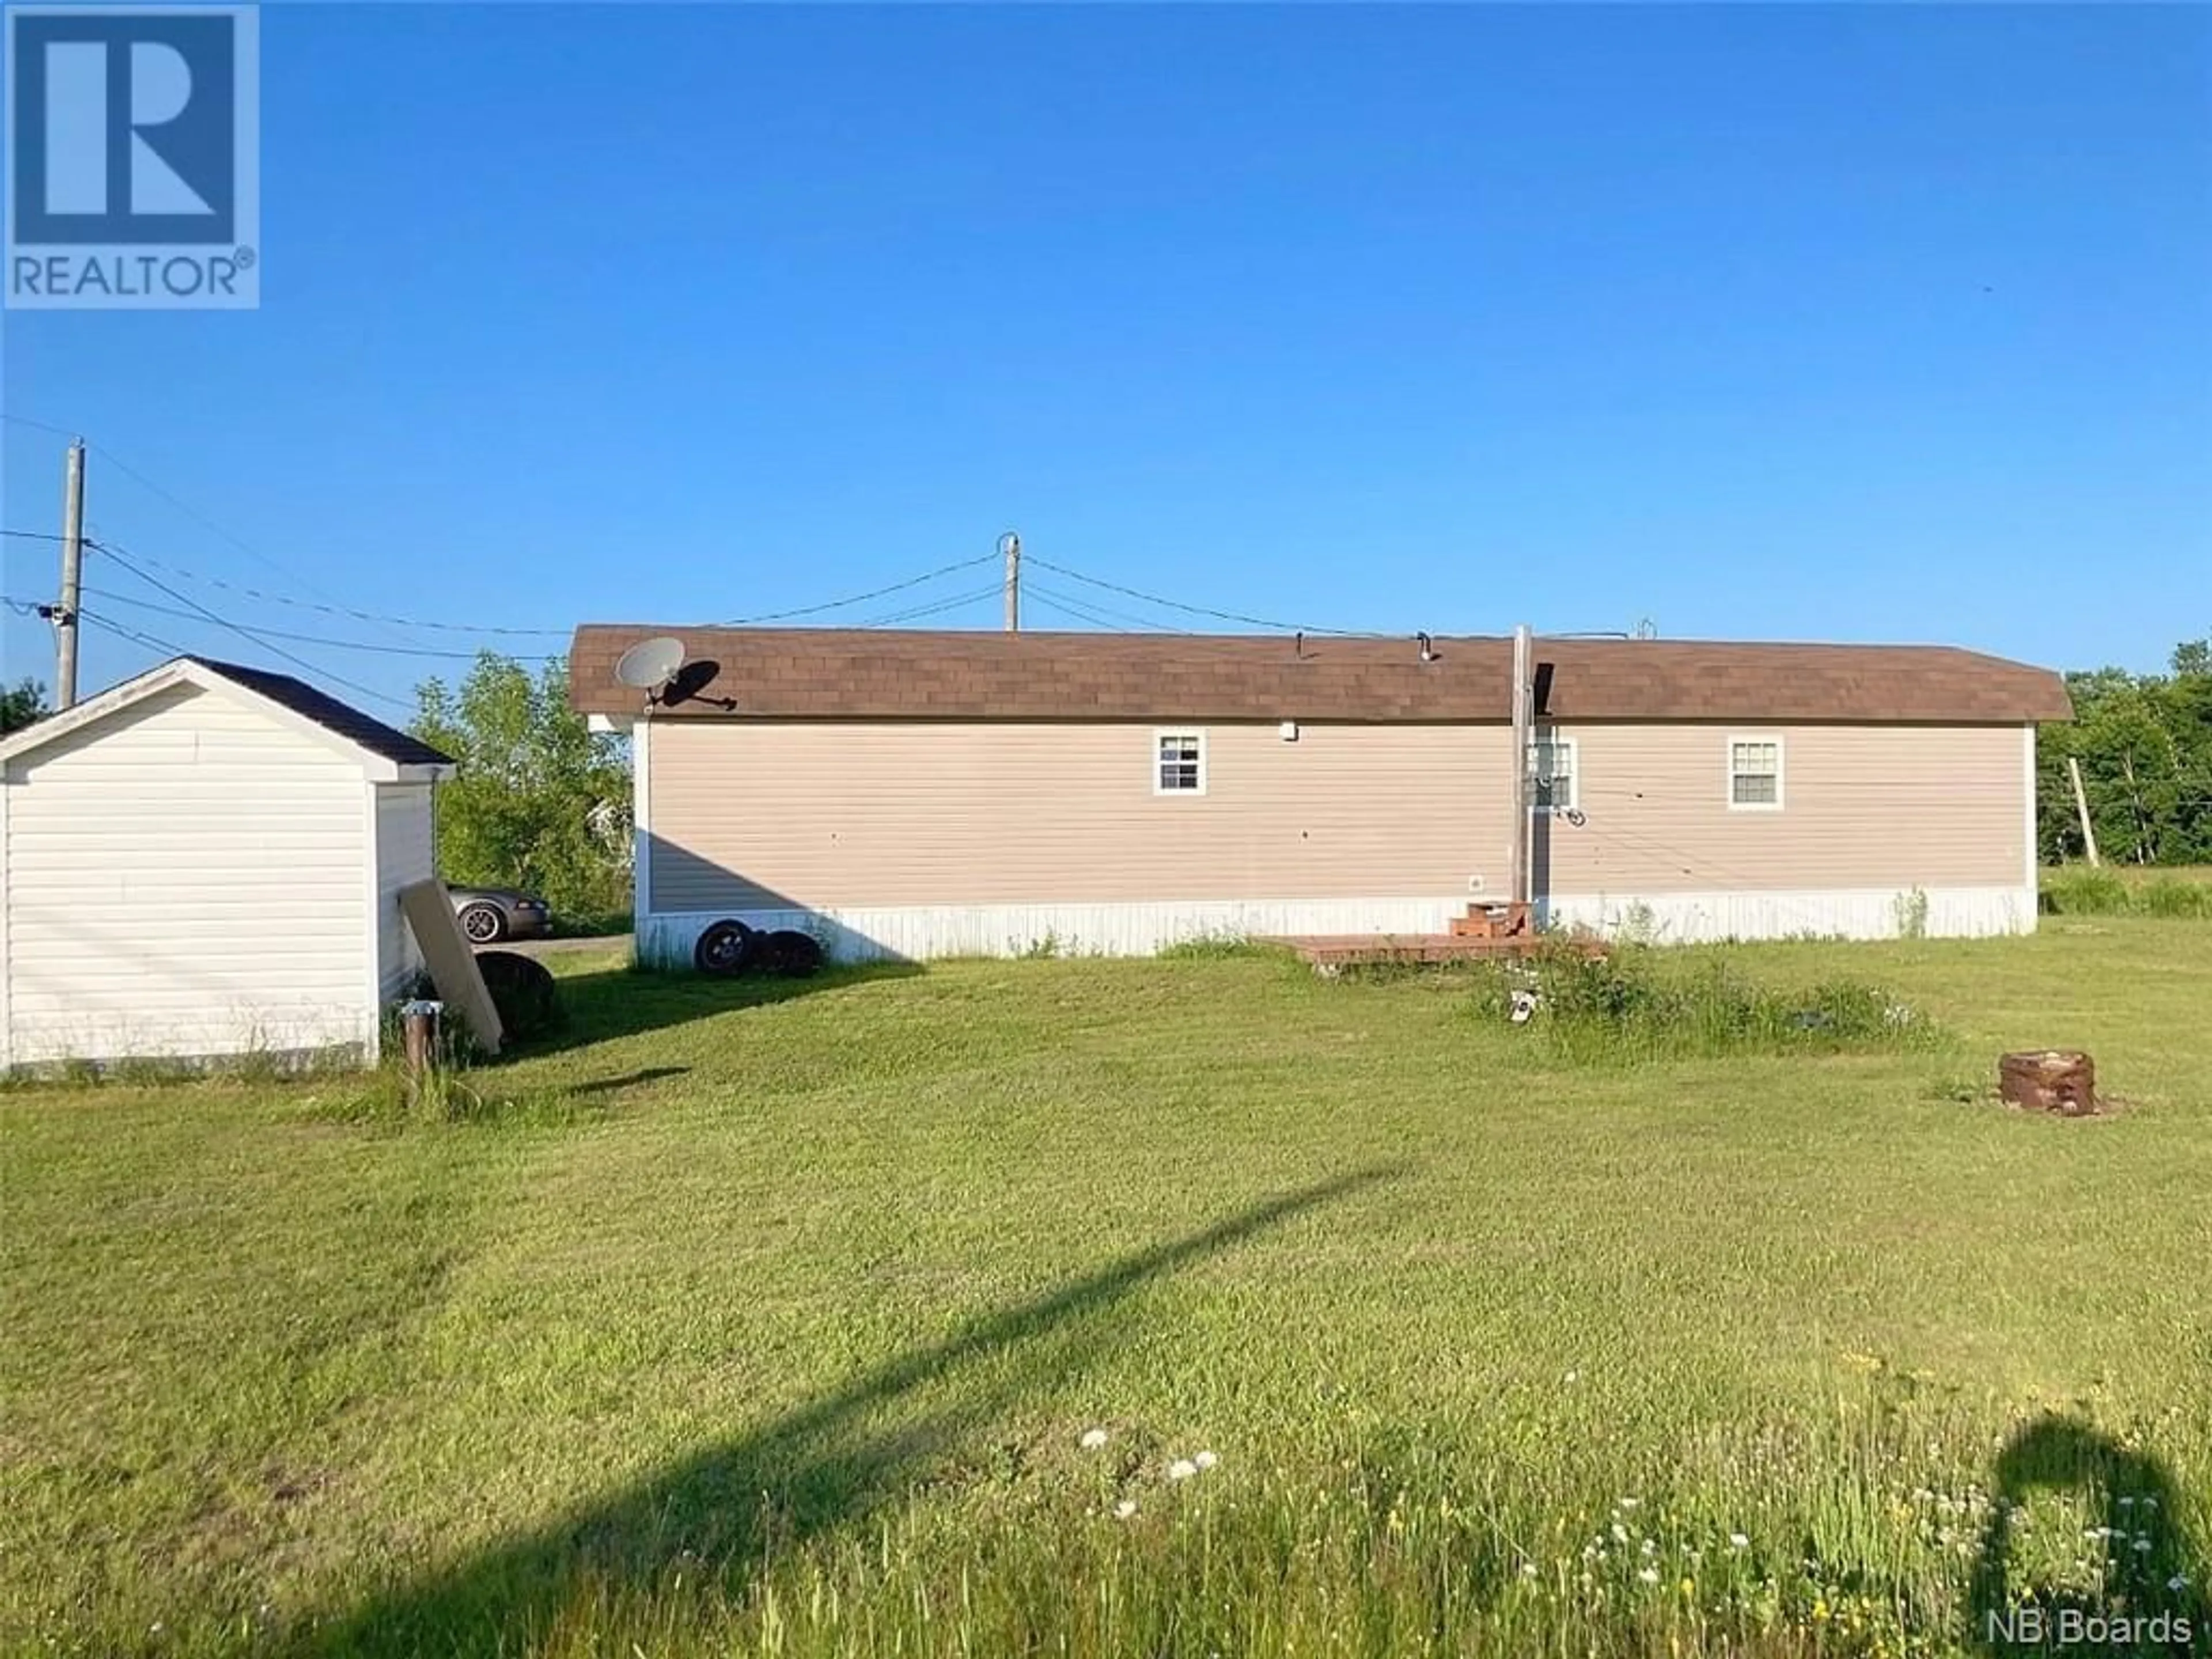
186	877
405	853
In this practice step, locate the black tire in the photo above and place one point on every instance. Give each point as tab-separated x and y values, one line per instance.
727	948
524	991
792	954
483	923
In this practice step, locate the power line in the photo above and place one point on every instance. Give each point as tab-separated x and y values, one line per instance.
953	603
152	642
1090	612
266	598
316	639
860	598
245	633
204	522
1198	610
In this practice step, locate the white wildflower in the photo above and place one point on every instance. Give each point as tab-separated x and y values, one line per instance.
1574	1376
1619	1533
2142	1547
1206	1459
1125	1508
1650	1575
1527	1569
2178	1582
1651	1546
1182	1469
1092	1439
1738	1541
2127	1503
1627	1503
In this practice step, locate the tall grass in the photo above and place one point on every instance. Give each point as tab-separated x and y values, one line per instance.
2077	889
1629	1005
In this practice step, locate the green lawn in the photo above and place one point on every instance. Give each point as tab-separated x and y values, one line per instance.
768	1319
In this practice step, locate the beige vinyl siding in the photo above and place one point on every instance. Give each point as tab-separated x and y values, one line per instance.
405	853
184	877
775	814
1862	806
768	815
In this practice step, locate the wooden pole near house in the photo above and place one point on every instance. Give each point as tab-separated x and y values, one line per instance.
1010	545
65	616
2082	805
1523	723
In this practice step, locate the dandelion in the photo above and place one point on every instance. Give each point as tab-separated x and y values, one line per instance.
1125	1508
1182	1469
1092	1439
1738	1541
1206	1459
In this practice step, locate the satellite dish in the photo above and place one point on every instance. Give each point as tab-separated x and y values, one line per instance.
650	664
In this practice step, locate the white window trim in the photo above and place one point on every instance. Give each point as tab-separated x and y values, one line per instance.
1574	801
1781	772
1162	732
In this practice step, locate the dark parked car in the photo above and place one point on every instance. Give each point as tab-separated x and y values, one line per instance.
488	915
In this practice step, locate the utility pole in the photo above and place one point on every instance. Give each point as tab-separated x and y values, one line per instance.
2082	805
1524	719
1010	545
65	620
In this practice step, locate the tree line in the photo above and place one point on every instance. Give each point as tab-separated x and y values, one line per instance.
2144	745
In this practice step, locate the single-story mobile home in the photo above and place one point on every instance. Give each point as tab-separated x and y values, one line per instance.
925	794
205	861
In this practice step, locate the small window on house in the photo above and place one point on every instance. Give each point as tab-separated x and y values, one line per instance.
1755	773
1180	763
1551	786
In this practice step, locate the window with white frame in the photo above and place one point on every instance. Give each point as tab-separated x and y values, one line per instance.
1755	774
1552	786
1179	763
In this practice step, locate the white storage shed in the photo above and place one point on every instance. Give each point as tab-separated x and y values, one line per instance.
204	862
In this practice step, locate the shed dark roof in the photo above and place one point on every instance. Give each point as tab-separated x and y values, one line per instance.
882	674
327	711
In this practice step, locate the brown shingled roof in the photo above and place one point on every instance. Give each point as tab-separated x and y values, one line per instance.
886	674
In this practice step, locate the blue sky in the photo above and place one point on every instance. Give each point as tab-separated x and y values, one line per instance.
1868	323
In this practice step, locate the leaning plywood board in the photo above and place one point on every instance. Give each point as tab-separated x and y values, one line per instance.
452	964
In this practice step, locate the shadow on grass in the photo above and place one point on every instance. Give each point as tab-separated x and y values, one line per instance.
603	1003
736	1506
607	1085
2137	1491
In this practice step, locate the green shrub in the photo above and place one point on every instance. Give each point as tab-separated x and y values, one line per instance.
1624	1004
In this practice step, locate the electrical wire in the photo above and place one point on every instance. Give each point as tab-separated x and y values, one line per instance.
319	638
859	598
245	633
1068	604
267	597
953	603
152	642
1200	610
